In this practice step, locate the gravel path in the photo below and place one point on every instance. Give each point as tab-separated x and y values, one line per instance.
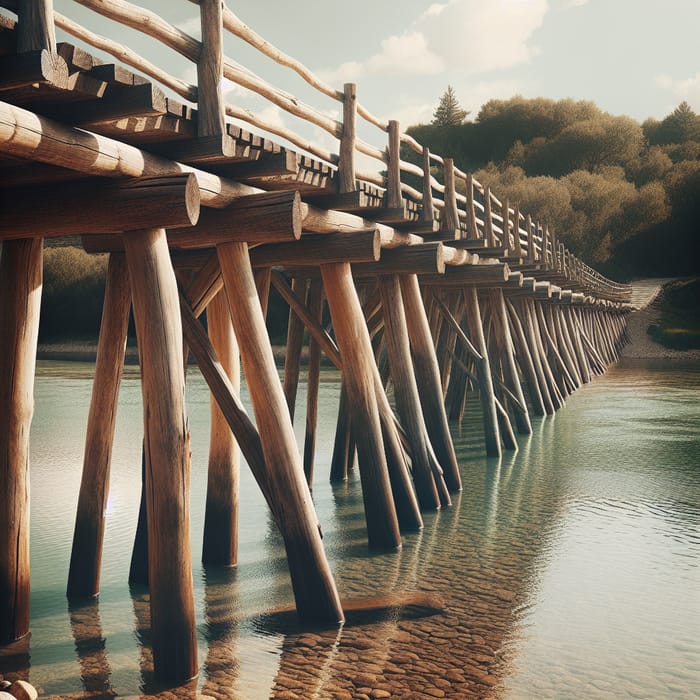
640	345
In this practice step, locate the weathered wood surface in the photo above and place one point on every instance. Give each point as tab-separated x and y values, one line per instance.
220	544
88	536
359	381
314	588
167	451
20	301
111	207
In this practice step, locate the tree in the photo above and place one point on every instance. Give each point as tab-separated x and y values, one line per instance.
448	112
680	126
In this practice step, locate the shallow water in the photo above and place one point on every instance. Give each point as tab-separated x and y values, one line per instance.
568	570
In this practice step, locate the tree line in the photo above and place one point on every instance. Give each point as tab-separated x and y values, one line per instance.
624	196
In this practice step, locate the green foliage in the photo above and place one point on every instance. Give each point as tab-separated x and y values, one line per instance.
615	191
679	325
448	112
72	295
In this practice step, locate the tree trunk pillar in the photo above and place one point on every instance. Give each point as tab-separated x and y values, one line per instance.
167	453
20	302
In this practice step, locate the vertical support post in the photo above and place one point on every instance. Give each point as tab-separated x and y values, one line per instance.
292	355
526	361
344	444
504	342
88	536
406	390
516	232
346	158
450	214
488	398
314	588
220	544
488	219
505	215
531	252
472	227
359	381
35	28
20	301
314	302
428	212
263	276
394	198
428	380
167	453
210	102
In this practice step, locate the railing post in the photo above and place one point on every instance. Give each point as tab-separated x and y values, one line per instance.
488	219
516	232
35	28
428	214
210	121
531	252
394	200
450	215
505	215
472	228
346	161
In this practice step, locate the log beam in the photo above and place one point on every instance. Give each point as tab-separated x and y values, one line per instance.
109	207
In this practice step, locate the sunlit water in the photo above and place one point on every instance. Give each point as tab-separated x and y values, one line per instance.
567	570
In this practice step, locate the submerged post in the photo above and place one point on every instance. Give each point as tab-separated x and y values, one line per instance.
167	453
88	537
20	300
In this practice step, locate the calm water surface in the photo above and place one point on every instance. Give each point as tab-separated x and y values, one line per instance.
568	570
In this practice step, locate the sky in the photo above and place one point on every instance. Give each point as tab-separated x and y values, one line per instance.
640	58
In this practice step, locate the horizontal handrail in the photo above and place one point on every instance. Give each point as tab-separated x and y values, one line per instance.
476	211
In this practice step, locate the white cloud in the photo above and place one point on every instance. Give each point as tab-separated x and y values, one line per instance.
471	36
687	89
405	55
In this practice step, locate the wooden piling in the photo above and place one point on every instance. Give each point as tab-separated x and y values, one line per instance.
292	355
359	380
406	389
476	331
504	344
428	380
314	588
167	451
220	543
314	302
20	301
88	536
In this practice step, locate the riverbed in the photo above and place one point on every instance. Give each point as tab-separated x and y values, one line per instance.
570	569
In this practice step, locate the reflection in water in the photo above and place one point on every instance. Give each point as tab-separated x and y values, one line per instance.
91	648
567	570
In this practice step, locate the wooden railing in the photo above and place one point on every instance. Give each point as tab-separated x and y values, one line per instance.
455	207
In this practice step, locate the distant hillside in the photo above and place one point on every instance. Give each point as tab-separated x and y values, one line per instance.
625	196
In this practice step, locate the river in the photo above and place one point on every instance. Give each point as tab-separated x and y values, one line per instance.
570	569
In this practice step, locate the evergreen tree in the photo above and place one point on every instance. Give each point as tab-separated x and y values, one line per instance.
448	112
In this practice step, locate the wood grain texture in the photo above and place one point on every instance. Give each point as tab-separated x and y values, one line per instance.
88	535
167	452
20	301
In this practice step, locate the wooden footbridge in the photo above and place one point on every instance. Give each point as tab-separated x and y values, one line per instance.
419	279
